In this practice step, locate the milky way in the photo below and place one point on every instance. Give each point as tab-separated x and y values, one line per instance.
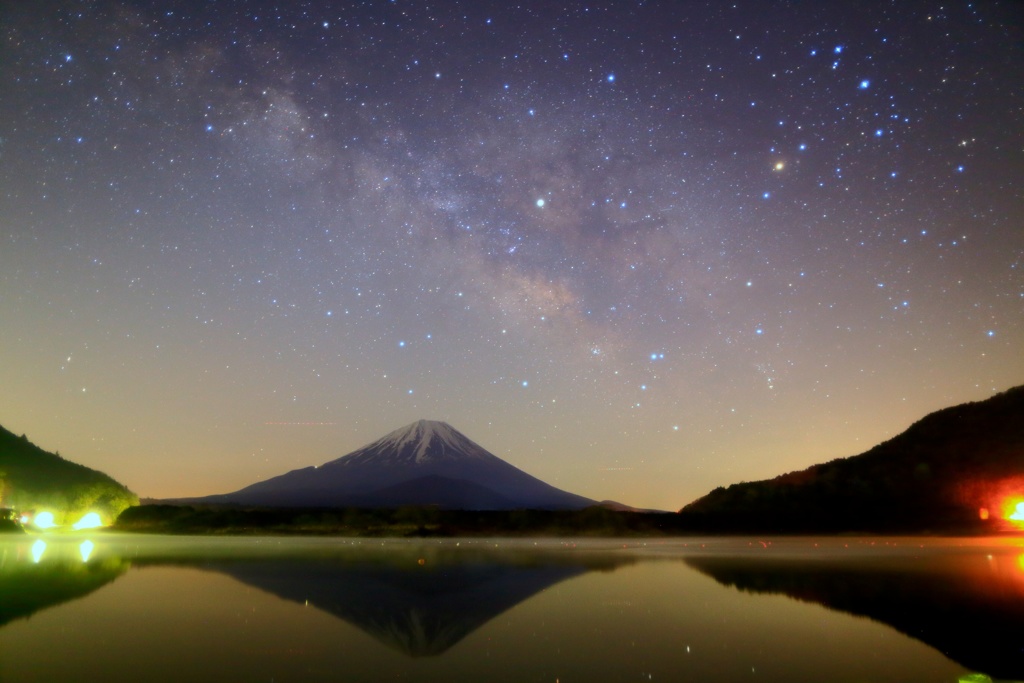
638	249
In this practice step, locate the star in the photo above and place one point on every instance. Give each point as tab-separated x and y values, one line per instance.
272	199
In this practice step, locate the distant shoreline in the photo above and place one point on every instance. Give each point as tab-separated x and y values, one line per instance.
427	522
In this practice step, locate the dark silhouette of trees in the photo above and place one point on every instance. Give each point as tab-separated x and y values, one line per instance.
34	479
934	476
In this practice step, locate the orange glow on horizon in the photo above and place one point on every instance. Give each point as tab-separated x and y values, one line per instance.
996	503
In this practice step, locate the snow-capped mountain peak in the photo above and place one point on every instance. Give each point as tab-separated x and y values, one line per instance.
422	435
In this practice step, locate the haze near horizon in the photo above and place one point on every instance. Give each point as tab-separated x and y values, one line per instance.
636	250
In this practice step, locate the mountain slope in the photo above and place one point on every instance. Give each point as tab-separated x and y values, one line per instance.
957	468
424	463
34	479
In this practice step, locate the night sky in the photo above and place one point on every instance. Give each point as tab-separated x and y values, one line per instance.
637	249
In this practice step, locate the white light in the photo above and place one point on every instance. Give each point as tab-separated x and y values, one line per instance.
44	520
90	520
540	203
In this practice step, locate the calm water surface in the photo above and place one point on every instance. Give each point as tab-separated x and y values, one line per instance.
142	608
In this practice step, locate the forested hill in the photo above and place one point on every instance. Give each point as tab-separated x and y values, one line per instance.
957	469
34	479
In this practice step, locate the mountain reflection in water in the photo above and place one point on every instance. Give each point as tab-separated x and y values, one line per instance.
419	602
968	606
211	609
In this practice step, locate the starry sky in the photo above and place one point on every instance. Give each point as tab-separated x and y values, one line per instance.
637	249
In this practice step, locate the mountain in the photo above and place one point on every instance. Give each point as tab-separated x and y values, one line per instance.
34	479
616	506
426	463
959	469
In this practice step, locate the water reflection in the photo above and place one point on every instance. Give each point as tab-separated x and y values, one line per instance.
38	548
35	575
418	600
969	606
304	609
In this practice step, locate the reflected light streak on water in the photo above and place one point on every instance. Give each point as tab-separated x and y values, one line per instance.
86	549
38	548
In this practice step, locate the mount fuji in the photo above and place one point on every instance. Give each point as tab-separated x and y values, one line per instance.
424	463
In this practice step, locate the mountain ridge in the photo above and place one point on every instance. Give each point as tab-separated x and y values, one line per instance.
959	467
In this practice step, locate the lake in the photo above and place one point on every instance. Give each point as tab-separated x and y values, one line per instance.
110	607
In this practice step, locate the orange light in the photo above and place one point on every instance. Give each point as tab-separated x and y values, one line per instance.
983	513
1013	510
